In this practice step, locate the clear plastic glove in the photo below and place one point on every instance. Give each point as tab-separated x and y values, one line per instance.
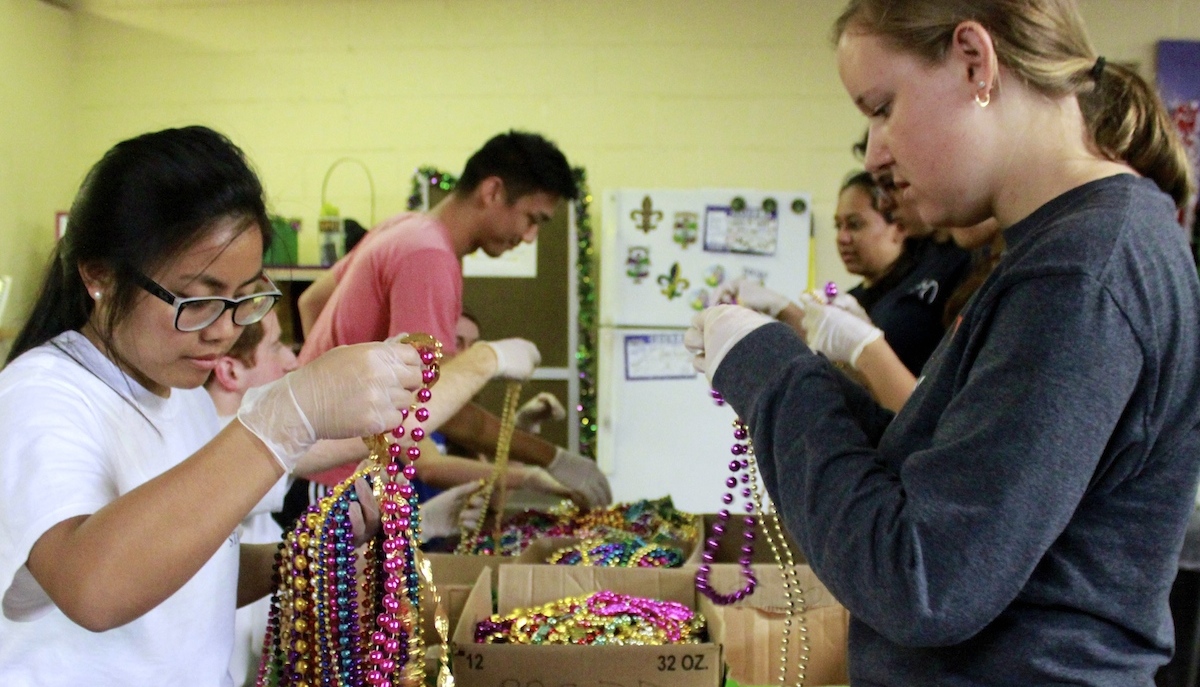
364	513
751	294
515	358
834	332
715	331
583	476
350	391
535	411
441	515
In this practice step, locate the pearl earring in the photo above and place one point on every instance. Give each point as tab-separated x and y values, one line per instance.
97	295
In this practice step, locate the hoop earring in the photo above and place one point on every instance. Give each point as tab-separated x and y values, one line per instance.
986	98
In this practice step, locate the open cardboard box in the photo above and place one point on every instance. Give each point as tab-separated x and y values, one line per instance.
455	575
523	586
751	630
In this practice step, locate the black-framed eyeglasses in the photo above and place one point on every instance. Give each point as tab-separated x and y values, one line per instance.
194	314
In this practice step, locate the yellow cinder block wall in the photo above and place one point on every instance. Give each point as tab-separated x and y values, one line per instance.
651	93
36	173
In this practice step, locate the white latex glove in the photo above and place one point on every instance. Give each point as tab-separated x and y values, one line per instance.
535	411
583	476
474	510
440	515
834	332
753	295
537	479
715	331
350	391
515	358
851	305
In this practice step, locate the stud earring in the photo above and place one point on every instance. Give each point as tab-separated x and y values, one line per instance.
97	295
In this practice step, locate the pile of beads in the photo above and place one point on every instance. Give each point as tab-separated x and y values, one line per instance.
602	617
628	551
320	629
655	520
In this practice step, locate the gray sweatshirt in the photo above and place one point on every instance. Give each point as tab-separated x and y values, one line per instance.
1018	522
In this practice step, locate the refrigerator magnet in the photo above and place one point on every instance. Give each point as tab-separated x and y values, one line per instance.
752	231
714	276
657	356
687	226
637	265
698	299
673	284
647	218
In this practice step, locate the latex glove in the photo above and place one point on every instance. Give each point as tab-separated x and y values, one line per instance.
851	305
715	331
582	475
751	294
535	411
835	332
474	510
515	358
537	479
350	391
364	513
440	515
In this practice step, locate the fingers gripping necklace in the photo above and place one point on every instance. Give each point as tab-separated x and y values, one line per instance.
319	630
469	538
744	461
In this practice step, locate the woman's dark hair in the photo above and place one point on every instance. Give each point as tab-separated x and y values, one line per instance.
527	163
880	200
146	201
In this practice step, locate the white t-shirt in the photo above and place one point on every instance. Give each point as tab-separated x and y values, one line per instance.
76	433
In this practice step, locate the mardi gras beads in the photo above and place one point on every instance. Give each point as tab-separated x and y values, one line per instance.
744	460
319	629
601	618
625	552
469	539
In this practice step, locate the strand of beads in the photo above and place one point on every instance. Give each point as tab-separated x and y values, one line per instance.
317	628
470	538
602	617
736	465
793	592
396	646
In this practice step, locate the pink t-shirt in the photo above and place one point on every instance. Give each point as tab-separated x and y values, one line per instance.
402	277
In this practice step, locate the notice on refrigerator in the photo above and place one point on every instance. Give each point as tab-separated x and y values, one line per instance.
752	230
657	356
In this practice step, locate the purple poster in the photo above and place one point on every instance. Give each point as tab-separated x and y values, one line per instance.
1179	86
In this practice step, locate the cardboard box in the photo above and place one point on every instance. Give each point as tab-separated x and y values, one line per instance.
454	576
522	586
751	630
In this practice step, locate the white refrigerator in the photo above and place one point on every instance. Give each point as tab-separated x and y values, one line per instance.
664	252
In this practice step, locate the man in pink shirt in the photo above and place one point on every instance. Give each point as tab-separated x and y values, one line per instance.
406	276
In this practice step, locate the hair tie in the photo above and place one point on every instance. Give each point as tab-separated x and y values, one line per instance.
1098	68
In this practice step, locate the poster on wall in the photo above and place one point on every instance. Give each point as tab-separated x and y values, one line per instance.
1179	86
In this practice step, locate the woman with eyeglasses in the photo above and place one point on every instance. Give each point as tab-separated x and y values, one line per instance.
119	491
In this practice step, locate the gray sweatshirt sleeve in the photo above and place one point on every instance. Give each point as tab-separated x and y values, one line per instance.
928	544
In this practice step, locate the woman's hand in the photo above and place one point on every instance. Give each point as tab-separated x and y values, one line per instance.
350	391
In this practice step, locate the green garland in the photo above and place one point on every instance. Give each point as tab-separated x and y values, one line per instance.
585	353
585	266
